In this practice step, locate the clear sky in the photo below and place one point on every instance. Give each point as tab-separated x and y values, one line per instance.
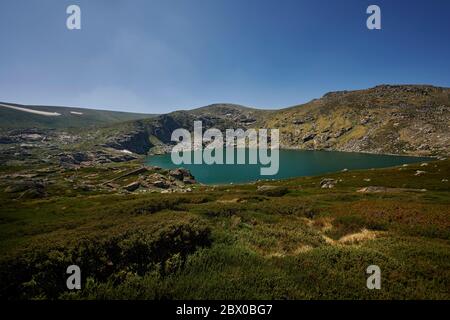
156	56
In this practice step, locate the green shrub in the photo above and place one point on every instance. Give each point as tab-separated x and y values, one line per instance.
43	274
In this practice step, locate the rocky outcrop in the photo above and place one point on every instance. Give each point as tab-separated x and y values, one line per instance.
328	183
135	141
388	119
88	158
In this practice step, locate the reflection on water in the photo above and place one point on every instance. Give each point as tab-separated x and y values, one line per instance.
293	163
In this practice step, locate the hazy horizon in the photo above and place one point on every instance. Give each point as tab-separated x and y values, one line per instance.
106	108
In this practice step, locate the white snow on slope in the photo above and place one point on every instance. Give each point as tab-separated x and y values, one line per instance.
76	113
42	113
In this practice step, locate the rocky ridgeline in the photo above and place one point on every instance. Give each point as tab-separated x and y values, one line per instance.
411	120
154	135
387	119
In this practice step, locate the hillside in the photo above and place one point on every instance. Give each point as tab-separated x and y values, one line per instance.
142	135
85	197
404	119
287	239
15	116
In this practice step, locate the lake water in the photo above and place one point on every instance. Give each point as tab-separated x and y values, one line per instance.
293	163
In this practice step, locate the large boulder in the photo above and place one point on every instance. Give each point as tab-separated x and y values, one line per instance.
133	186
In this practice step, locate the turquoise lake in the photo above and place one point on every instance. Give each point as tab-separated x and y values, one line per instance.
293	163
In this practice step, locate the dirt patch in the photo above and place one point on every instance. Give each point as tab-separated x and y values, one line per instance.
363	235
353	238
374	189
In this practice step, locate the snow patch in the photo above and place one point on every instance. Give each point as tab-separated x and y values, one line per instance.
42	113
76	113
126	151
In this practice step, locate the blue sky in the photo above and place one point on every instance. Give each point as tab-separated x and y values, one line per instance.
157	56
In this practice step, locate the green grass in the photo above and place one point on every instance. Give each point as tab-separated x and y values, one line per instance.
232	242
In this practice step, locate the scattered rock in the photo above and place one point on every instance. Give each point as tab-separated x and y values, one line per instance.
187	180
308	137
419	173
180	174
372	189
25	185
132	186
327	183
161	184
272	191
266	187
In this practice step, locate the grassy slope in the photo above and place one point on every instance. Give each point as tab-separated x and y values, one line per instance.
233	241
299	241
414	119
10	118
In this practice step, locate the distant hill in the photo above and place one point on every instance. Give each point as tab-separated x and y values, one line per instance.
386	119
13	116
389	119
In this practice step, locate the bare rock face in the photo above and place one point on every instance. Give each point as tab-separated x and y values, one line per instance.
135	141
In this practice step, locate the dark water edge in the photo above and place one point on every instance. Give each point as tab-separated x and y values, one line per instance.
293	163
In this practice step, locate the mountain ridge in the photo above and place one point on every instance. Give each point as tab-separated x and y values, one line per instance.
414	119
13	115
385	119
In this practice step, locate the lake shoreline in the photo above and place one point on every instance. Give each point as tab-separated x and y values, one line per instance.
292	163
